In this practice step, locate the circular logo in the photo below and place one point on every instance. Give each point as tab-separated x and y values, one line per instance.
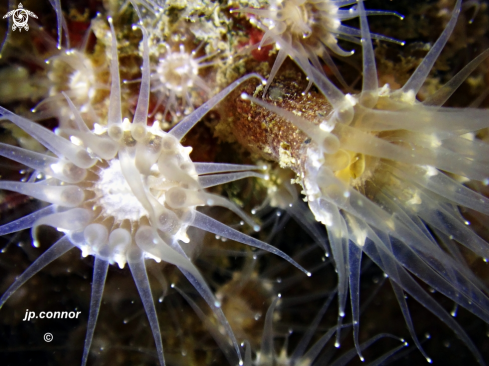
48	337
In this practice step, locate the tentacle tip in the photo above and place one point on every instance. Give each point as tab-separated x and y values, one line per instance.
244	96
428	359
257	228
309	274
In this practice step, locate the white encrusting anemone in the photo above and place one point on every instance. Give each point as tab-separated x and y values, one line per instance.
176	79
71	73
307	30
375	176
125	193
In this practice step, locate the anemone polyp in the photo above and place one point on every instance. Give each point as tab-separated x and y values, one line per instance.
73	74
177	79
381	168
124	193
306	30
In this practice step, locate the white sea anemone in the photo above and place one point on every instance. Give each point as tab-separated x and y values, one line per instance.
177	80
307	30
125	193
383	174
73	74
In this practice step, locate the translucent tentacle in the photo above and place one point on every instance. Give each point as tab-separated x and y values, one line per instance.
185	125
354	260
50	166
57	144
135	259
215	200
370	85
306	338
417	79
209	168
385	258
207	181
442	94
218	337
343	360
266	349
27	221
66	196
98	282
138	128
206	223
54	252
281	56
203	289
407	317
299	211
115	113
338	238
314	351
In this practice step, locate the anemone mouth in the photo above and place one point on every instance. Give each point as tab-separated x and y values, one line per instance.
116	198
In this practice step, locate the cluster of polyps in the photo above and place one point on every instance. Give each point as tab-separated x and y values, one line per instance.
306	29
375	176
123	193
